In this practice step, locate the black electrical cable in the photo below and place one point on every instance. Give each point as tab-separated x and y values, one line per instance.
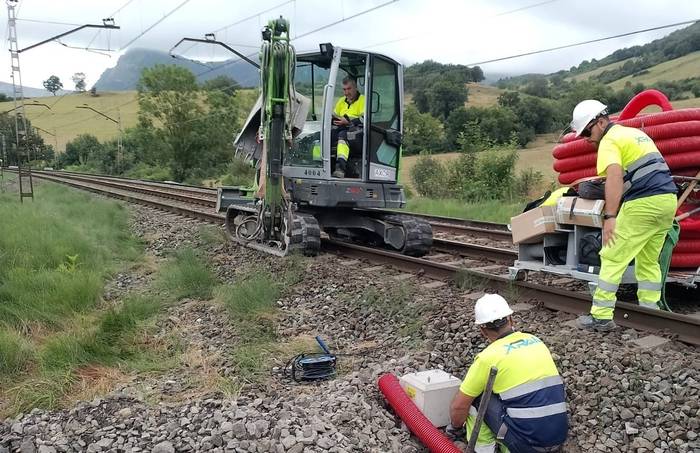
311	367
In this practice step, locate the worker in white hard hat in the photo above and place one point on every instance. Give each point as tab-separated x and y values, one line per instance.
527	410
640	203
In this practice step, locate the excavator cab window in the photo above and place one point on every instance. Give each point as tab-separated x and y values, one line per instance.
384	142
311	77
352	66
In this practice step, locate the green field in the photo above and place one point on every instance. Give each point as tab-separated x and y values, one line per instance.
67	121
587	75
681	68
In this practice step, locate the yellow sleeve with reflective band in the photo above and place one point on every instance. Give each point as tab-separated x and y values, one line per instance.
608	153
474	382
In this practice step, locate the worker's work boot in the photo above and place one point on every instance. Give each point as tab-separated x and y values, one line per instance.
340	165
590	323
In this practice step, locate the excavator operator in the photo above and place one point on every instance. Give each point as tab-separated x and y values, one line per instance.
348	116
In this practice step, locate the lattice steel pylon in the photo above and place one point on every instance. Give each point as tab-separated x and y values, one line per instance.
24	173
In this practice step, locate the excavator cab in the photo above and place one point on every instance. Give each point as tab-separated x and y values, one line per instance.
375	144
342	207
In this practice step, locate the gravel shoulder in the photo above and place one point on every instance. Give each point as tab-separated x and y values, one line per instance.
621	397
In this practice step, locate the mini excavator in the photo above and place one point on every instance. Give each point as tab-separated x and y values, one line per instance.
288	135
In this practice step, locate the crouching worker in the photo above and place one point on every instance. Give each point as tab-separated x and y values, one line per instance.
527	410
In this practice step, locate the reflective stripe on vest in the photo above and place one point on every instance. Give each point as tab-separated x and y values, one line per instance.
645	165
529	387
536	412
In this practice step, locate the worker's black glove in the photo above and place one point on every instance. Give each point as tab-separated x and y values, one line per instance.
456	433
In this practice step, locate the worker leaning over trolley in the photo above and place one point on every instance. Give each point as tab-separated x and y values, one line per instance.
527	410
640	202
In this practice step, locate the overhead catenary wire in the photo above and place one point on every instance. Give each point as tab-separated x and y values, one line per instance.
503	13
49	22
253	16
590	41
323	27
155	24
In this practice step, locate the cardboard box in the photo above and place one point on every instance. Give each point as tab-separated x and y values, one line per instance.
585	212
529	226
432	392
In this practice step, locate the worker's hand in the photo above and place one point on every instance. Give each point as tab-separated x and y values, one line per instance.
456	433
609	232
341	122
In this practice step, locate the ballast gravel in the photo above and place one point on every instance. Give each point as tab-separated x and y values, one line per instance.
622	398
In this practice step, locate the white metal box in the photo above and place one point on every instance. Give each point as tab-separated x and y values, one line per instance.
432	391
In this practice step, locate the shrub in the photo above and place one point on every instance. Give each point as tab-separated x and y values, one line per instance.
421	132
428	177
240	172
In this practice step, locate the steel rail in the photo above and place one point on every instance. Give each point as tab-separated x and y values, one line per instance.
684	328
474	250
452	225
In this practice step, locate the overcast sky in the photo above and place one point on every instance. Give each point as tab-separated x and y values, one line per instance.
409	30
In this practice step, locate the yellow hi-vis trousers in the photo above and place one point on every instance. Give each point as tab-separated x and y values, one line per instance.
343	150
640	231
486	441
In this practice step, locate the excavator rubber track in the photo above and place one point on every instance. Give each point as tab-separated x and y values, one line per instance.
419	234
305	236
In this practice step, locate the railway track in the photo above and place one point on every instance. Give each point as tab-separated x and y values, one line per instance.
449	260
206	196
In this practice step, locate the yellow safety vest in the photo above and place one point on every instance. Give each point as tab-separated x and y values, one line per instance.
520	357
645	170
355	109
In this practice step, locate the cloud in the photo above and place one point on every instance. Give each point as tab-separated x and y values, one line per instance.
451	31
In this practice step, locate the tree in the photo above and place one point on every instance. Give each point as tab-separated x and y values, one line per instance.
538	87
420	99
194	128
421	132
53	84
476	74
80	150
444	97
79	81
168	103
222	83
34	142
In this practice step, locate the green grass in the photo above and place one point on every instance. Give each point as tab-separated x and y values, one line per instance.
491	210
250	296
56	252
251	304
55	255
212	235
677	69
108	343
187	275
15	352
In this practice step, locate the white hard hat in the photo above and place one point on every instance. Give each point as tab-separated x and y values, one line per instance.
491	307
585	112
